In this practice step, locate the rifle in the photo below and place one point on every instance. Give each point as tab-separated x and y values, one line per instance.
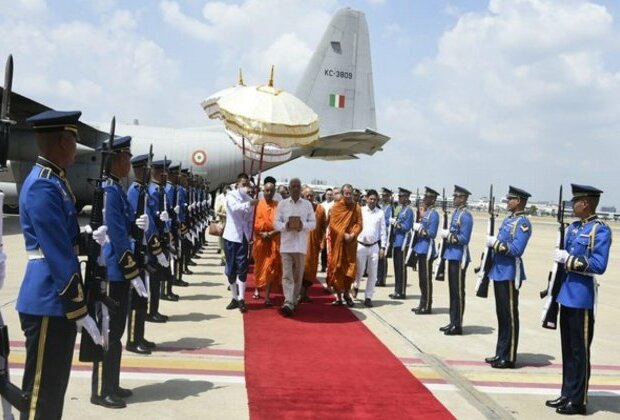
441	268
95	275
556	276
410	259
390	234
161	206
142	251
482	285
5	113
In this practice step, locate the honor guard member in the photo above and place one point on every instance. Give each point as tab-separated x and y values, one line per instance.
161	262
507	273
387	205
186	244
425	252
174	225
148	241
458	258
401	222
51	302
122	273
183	227
584	256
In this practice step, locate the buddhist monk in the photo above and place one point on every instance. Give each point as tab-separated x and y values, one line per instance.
345	223
266	249
315	244
337	195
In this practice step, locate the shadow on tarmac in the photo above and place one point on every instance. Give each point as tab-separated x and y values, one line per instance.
603	401
534	359
193	317
379	303
204	283
185	343
200	297
477	329
206	273
173	389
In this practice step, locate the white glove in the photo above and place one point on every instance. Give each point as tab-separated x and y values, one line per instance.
162	260
417	226
138	284
392	221
163	216
204	203
143	222
490	241
100	234
443	233
91	328
177	209
561	255
191	206
2	267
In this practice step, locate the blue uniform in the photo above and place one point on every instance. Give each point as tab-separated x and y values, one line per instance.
427	234
512	238
404	223
133	195
461	226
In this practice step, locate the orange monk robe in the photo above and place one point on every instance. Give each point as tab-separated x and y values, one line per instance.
266	251
315	241
344	218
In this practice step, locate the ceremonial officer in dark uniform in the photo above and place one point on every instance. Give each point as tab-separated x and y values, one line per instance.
147	246
585	256
458	258
507	273
161	262
172	225
122	273
388	208
51	297
424	249
184	226
401	221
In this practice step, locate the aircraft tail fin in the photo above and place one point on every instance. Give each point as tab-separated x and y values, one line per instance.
338	86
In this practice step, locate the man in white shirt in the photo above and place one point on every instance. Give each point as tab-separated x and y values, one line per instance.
294	219
327	204
237	234
371	244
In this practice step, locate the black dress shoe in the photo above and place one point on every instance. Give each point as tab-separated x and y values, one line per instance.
234	304
164	317
188	271
503	364
242	307
109	401
380	284
123	392
558	402
349	301
396	296
445	328
454	331
148	344
286	310
423	311
138	348
192	263
368	303
170	297
570	409
156	318
491	359
181	283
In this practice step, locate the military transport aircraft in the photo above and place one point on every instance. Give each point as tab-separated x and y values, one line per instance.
337	84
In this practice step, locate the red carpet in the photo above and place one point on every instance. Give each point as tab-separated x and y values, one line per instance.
324	363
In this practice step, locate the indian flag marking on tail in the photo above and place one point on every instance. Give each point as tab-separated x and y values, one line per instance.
337	101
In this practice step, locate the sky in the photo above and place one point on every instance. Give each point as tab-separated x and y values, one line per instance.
471	92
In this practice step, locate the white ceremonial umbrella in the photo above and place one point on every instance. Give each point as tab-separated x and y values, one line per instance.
210	105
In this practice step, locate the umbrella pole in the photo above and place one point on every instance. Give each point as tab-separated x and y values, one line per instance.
260	169
243	151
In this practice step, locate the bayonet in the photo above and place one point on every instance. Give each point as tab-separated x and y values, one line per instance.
5	113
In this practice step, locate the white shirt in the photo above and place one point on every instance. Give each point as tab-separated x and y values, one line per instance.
327	206
373	227
293	241
239	216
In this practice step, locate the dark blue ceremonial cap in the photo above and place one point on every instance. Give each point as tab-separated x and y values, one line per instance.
514	192
405	191
430	191
119	145
50	121
185	171
458	190
174	169
140	160
160	164
386	190
585	191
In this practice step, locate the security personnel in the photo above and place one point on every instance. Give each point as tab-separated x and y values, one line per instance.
507	273
585	255
184	230
147	243
387	206
51	298
458	258
122	273
161	263
424	249
173	228
401	221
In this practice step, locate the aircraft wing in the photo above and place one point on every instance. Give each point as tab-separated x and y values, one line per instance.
343	146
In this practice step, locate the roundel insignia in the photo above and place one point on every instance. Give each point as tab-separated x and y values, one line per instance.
199	157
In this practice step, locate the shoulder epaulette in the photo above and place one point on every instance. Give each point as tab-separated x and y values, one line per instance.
45	173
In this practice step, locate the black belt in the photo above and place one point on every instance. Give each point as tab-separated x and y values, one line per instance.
368	245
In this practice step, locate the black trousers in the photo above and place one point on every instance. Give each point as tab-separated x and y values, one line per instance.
456	286
49	351
186	252
576	330
425	278
400	271
382	271
157	276
136	318
106	374
507	310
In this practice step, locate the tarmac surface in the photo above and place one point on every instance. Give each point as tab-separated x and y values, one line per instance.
198	369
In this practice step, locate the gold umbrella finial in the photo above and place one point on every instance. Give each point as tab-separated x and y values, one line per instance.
271	77
241	77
